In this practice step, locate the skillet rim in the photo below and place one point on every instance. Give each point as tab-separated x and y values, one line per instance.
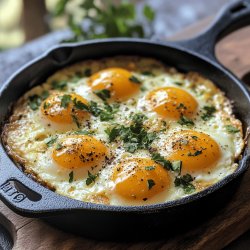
81	205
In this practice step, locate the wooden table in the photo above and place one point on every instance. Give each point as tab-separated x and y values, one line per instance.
215	233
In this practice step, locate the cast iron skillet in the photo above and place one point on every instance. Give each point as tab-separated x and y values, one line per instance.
28	198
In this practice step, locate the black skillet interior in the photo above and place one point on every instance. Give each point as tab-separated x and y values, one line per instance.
27	197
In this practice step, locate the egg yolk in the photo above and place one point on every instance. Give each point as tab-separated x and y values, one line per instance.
79	151
117	81
140	179
60	108
197	151
171	102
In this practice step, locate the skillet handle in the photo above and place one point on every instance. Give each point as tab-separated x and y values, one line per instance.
232	17
27	197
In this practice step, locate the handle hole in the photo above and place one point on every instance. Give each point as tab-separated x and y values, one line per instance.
238	8
31	195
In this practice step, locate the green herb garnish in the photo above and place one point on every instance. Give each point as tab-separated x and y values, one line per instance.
71	176
185	121
94	109
75	120
208	112
176	166
151	183
59	146
83	132
65	101
104	94
162	161
112	133
197	152
107	113
45	94
135	80
80	105
135	136
50	141
34	102
150	168
185	182
178	83
59	85
231	129
147	73
195	137
181	106
46	105
91	178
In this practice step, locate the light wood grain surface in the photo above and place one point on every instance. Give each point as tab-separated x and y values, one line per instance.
225	226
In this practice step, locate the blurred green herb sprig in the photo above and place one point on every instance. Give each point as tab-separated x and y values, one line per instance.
108	20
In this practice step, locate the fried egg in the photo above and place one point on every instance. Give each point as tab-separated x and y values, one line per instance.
125	131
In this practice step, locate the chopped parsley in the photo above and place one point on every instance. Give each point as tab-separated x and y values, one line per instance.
147	73
46	105
208	112
178	83
34	102
80	105
45	94
231	129
104	94
134	79
91	178
195	137
65	101
181	106
151	183
112	133
176	166
150	168
94	109
135	136
107	113
75	120
83	132
185	182
196	153
71	176
162	161
59	85
185	121
50	141
59	146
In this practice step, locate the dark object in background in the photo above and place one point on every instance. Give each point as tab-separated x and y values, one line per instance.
123	222
33	19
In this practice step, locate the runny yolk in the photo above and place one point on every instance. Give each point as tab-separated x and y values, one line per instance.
117	81
140	179
56	108
79	151
171	102
197	151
